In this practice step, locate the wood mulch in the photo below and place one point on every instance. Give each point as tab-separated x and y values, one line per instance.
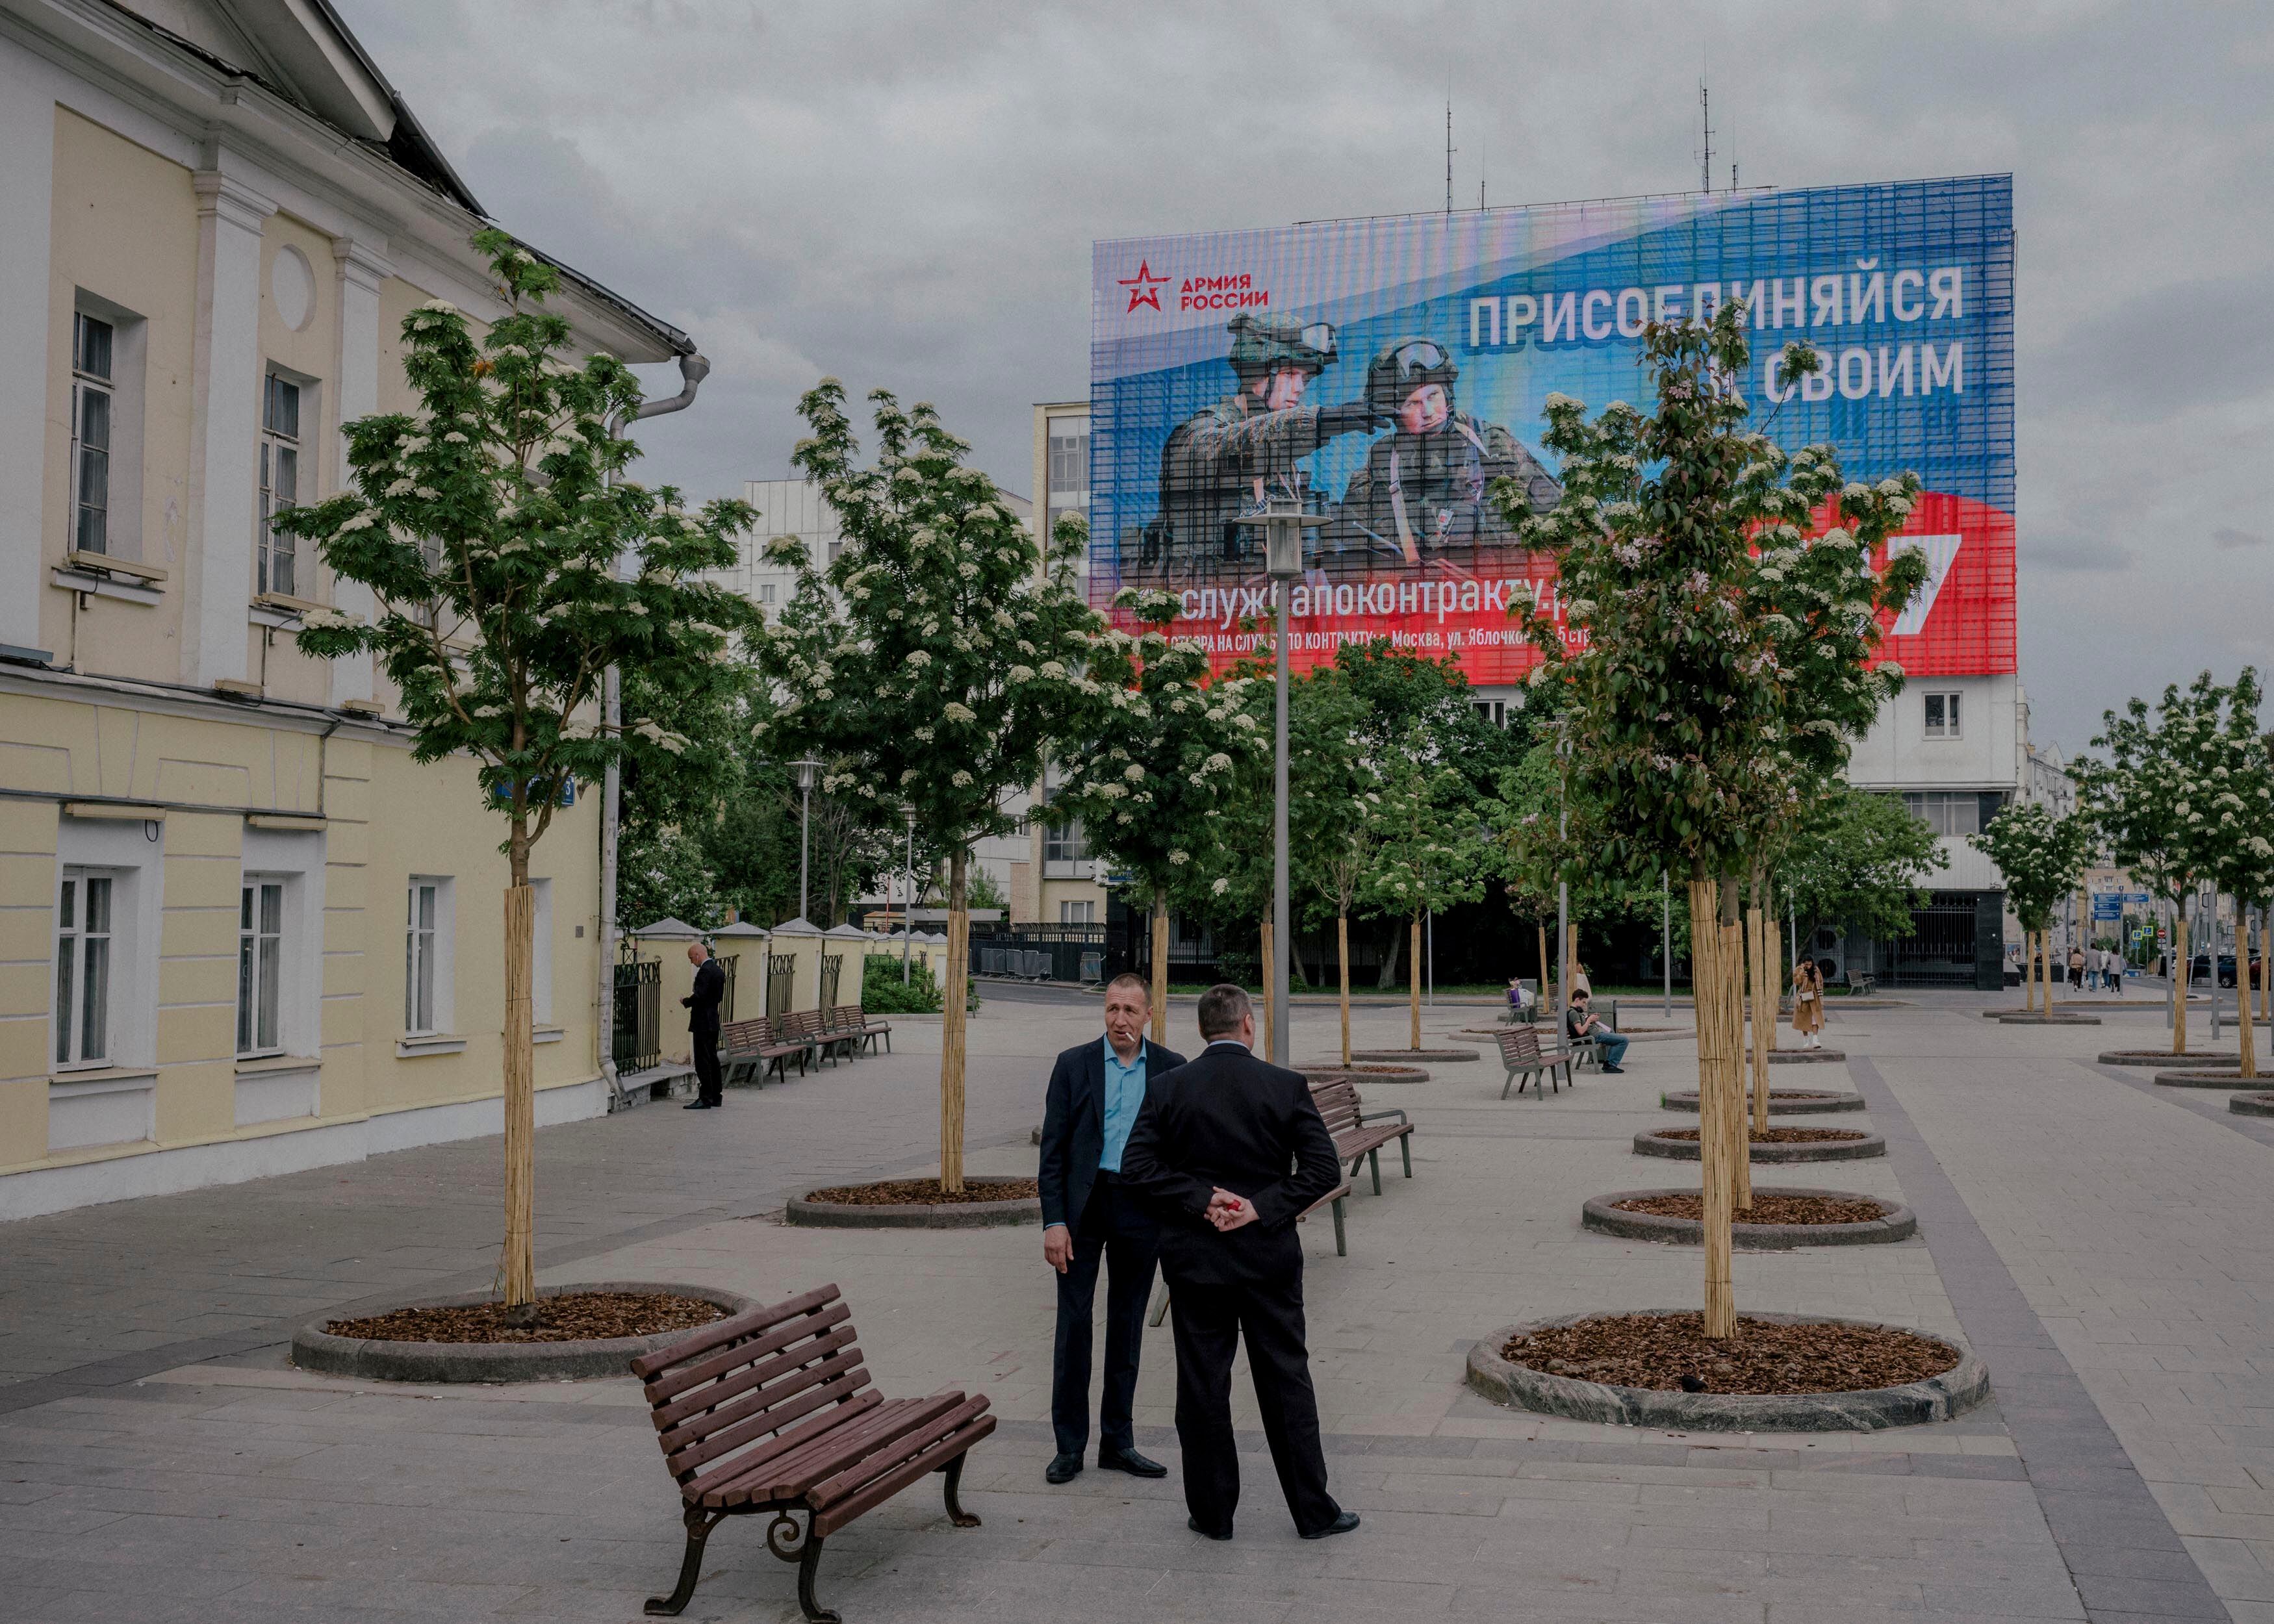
1778	1136
926	1193
1657	1351
571	1317
1809	1209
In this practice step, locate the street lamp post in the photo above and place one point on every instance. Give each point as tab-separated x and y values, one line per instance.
1283	523
806	769
909	914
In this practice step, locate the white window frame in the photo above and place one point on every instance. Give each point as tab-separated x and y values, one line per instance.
94	378
1947	702
78	948
278	443
1078	913
262	938
122	505
435	940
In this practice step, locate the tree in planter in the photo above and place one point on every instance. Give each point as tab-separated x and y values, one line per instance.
488	525
2152	797
2228	819
2041	858
931	664
1169	760
1675	668
1427	848
1329	777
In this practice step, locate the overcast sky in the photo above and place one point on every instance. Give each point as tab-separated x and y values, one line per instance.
906	195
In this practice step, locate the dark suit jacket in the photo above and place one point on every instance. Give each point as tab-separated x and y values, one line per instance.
1074	1125
1229	1119
703	1003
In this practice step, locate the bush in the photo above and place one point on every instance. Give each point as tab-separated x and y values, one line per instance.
881	993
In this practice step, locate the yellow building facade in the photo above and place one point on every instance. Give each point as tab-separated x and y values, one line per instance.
241	931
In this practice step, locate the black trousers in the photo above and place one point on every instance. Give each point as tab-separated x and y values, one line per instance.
1116	1231
1209	1319
707	1086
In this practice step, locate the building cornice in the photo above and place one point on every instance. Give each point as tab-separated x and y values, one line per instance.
165	699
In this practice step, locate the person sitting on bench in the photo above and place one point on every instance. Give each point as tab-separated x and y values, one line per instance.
1582	1026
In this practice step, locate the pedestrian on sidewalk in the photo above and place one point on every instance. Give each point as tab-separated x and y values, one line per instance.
1212	1150
1090	1215
702	1005
2116	968
1808	1002
2075	970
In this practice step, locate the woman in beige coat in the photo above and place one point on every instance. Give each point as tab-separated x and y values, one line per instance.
1808	1002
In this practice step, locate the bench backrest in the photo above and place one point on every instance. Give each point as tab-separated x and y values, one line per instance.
846	1018
1519	1046
799	1024
1337	1103
722	1398
741	1036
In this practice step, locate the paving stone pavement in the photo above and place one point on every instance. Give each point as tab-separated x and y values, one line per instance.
160	1460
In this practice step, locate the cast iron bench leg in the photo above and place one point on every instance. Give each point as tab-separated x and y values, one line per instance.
809	1564
1373	1160
699	1524
953	1473
1405	1152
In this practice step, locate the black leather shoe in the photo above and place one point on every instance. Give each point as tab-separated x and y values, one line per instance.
1062	1469
1342	1524
1129	1460
1193	1523
697	1105
1614	1071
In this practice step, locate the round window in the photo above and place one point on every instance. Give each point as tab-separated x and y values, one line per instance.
293	286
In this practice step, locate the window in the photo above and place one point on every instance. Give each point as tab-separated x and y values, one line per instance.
1077	912
421	951
260	964
92	403
1947	812
1942	716
767	592
1492	710
280	479
83	968
1065	843
1067	470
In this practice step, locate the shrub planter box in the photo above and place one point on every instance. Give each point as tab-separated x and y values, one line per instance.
1806	1057
317	1348
2058	1017
1008	1205
1935	1398
1782	1101
1413	1056
1365	1074
1605	1216
2207	1079
1661	1142
2251	1104
2164	1057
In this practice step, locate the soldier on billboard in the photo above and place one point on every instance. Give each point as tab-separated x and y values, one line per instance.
1223	463
1425	494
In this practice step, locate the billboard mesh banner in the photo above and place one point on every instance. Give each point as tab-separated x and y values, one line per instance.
1389	376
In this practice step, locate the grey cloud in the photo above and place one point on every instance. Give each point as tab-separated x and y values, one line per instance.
2229	540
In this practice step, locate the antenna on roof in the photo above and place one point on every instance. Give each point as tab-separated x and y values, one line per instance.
1450	148
1706	115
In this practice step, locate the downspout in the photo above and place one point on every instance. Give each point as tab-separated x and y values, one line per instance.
694	369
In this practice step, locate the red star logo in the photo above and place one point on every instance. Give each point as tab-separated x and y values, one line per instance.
1144	287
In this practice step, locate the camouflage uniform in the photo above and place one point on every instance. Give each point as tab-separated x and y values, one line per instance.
1429	496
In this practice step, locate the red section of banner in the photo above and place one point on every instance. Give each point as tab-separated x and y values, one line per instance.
1963	627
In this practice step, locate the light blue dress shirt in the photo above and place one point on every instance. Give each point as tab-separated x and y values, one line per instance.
1125	1092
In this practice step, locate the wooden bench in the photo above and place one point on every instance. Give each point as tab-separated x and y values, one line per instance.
849	1019
1527	1062
809	1027
747	1047
1361	1135
771	1411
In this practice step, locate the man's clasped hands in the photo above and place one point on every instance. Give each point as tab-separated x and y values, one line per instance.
1227	1211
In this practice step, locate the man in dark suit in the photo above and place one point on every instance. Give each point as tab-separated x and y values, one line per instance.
1096	1091
1211	1151
702	1025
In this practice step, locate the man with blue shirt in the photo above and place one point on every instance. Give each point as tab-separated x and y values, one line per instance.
1088	1217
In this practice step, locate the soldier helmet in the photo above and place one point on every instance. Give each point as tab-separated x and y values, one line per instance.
1263	344
1403	367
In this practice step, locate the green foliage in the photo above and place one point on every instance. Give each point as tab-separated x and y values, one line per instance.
981	891
1426	850
1856	862
1405	694
882	994
2186	796
663	872
488	525
2041	857
937	669
1703	684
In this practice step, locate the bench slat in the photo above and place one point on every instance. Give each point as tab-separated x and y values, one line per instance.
850	1377
746	1392
841	1452
675	1394
941	1416
701	1486
827	1523
781	1467
721	1332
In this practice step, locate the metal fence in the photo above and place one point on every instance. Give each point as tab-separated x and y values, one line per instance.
1038	953
780	969
832	967
1942	947
637	1041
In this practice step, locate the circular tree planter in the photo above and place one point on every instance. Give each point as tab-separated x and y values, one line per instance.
315	1347
1892	1221
1782	1101
1361	1073
1413	1056
2206	1079
2251	1104
1806	1057
1853	1145
2161	1058
987	1202
1937	1397
2058	1017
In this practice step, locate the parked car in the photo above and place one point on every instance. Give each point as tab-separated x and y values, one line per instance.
2201	969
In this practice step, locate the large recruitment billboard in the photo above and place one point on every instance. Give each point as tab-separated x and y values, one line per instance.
1385	373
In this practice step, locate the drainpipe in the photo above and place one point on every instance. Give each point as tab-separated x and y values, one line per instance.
694	369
